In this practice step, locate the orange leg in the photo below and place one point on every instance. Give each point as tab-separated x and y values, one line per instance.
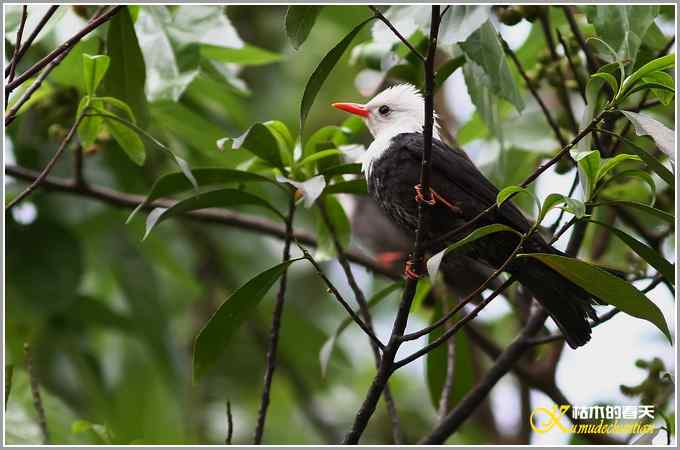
434	198
409	270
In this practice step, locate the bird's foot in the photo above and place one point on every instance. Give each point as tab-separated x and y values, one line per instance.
434	198
410	270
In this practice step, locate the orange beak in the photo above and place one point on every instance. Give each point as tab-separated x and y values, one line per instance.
353	108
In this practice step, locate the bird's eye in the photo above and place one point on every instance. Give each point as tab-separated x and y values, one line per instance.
384	110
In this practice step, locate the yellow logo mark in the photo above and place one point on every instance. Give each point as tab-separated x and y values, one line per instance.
542	420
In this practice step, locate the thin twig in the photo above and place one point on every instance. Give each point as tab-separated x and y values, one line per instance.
47	168
244	222
389	353
35	392
366	315
473	398
590	59
572	65
276	326
384	20
544	18
230	425
560	337
26	45
17	47
65	47
534	92
447	388
340	299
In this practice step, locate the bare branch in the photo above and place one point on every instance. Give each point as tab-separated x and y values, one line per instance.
590	59
26	45
17	47
230	425
276	326
384	20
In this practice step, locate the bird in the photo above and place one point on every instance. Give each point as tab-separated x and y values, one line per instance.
459	192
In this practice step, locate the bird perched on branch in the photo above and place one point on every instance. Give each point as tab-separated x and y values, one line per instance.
458	192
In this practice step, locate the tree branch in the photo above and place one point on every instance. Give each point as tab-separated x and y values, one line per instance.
276	326
384	20
26	45
230	425
17	46
389	353
590	59
41	177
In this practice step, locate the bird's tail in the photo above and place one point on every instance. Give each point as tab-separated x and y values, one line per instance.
568	305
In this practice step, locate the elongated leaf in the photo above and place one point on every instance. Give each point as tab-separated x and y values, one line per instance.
447	69
647	178
342	169
176	182
647	253
90	126
573	206
645	125
605	287
611	81
126	76
94	69
248	55
652	162
588	164
212	339
663	215
357	187
662	63
509	191
460	21
319	155
326	351
118	104
485	49
435	261
608	164
128	140
279	128
299	23
220	198
259	141
436	365
665	96
324	69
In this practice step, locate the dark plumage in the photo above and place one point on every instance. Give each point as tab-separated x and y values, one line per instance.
391	180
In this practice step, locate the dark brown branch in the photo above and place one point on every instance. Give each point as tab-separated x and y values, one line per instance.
64	48
39	179
243	222
366	315
534	92
572	66
17	47
35	393
544	18
384	20
26	45
590	59
389	353
473	398
276	326
230	425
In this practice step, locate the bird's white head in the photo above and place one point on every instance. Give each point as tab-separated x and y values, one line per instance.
398	109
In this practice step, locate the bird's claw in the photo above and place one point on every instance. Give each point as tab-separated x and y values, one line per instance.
420	198
409	270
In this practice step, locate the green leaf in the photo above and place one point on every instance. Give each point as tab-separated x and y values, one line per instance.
651	162
608	164
177	182
356	187
435	261
662	63
622	26
645	125
325	249
341	169
323	70
91	125
279	128
119	104
509	191
299	22
630	173
605	287
573	206
665	268
214	336
479	88
663	215
128	140
326	351
94	69
248	55
220	198
436	365
446	70
317	156
126	78
665	96
460	21
609	78
484	48
259	141
325	138
588	164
